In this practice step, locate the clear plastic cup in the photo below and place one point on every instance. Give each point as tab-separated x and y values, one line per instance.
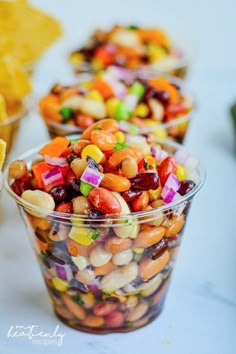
10	127
108	274
175	129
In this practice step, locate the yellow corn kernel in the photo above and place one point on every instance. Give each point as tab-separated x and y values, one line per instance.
159	132
155	52
151	161
88	300
95	95
76	58
181	173
59	284
76	222
141	110
111	106
155	193
138	250
97	64
92	151
86	84
82	235
183	125
120	137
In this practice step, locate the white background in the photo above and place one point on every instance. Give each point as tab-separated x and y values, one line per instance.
200	311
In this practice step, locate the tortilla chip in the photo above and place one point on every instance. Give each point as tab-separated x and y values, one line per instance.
2	152
29	31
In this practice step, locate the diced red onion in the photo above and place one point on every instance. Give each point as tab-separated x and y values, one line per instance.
159	154
110	48
56	161
124	126
64	272
52	176
181	156
118	88
168	194
94	287
117	72
179	208
92	176
173	182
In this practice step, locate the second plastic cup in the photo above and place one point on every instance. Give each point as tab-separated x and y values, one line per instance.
106	274
9	128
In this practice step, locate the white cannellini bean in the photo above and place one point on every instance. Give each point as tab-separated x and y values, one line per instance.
85	276
99	256
152	285
40	199
138	312
80	261
94	108
127	230
131	302
61	234
157	109
123	257
72	102
119	277
126	38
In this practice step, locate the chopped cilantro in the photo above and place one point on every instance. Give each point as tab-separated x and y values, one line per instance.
133	27
151	301
73	141
145	164
78	300
120	146
66	113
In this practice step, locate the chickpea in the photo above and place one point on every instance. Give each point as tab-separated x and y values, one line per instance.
18	169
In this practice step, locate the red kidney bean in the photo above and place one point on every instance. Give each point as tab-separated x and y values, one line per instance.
174	108
163	96
65	207
20	186
145	181
141	202
59	193
157	249
104	201
131	194
104	309
167	166
186	187
114	319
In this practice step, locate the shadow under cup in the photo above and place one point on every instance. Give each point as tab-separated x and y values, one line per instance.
110	274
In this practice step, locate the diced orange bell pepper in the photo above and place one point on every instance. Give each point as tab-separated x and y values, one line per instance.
55	148
104	88
161	83
38	170
153	35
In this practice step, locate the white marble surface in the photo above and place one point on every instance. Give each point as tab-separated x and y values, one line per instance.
200	311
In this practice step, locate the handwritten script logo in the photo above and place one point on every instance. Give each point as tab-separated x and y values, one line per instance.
36	336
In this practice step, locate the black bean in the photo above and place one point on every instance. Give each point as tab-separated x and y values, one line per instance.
60	193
